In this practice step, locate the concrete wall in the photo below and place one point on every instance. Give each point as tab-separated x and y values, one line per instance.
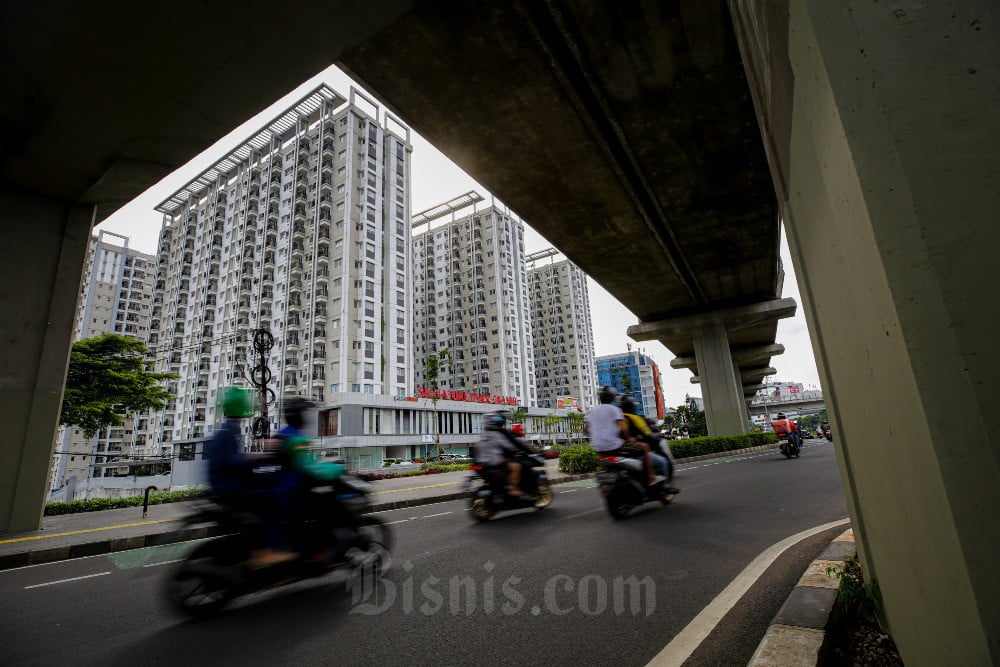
45	245
892	221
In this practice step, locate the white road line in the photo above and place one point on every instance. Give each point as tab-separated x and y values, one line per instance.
690	638
570	491
166	562
401	521
430	515
63	581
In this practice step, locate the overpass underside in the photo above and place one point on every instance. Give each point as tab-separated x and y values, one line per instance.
625	134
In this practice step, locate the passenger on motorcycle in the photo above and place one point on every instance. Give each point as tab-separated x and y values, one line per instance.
639	430
497	450
608	431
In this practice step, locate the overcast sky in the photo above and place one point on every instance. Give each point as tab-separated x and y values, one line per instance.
435	179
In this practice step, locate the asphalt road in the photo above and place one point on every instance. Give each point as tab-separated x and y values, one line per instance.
563	586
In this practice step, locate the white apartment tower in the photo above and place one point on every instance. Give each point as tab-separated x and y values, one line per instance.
470	295
302	231
115	297
562	331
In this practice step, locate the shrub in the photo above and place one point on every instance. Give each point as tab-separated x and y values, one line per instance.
550	454
577	459
97	504
716	444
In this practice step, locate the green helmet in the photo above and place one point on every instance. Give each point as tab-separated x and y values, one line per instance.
237	402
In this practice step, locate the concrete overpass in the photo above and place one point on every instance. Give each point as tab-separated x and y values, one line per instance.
632	135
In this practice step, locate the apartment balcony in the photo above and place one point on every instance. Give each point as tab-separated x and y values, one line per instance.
322	275
291	363
319	315
318	379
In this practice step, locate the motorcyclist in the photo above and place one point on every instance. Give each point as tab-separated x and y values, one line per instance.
497	449
234	486
784	425
639	430
607	429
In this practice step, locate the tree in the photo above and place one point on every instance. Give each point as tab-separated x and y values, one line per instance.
575	422
692	419
107	381
434	364
551	420
626	383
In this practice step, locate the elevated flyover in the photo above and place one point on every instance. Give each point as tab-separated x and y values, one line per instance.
624	134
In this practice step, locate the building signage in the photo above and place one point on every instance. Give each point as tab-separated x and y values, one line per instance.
470	397
565	402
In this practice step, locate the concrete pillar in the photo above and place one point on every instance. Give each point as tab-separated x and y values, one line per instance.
721	388
45	246
884	137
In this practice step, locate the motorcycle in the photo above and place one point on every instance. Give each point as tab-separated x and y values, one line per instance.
488	492
789	444
621	480
217	571
826	432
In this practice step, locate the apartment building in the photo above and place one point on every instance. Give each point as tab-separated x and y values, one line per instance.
563	336
302	231
470	292
115	297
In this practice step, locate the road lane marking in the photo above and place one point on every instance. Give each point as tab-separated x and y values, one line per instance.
690	638
166	562
63	581
415	488
430	515
88	530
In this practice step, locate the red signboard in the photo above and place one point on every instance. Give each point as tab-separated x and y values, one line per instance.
470	397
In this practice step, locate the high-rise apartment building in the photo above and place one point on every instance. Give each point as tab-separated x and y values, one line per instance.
563	336
636	373
115	297
471	296
303	231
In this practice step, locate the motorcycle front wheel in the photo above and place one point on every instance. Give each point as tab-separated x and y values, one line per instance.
543	497
371	545
204	582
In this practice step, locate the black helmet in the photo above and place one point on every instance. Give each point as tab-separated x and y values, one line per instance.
294	408
781	415
493	421
627	404
607	394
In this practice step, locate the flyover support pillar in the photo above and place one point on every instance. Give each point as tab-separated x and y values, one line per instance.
45	245
883	128
721	390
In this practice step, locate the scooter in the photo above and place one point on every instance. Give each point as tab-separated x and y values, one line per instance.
218	571
621	480
789	444
488	493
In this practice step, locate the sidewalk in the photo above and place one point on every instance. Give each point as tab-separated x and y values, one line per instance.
91	533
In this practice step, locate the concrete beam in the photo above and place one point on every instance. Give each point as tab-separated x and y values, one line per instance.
741	356
729	318
746	375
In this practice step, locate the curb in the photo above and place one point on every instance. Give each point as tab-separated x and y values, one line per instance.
111	545
797	632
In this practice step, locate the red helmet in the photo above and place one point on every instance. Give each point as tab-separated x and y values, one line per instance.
518	430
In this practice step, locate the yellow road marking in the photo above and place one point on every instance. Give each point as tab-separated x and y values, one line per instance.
414	488
88	530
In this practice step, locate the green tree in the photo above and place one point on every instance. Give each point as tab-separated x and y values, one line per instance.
575	422
518	416
435	363
550	420
107	381
692	419
626	383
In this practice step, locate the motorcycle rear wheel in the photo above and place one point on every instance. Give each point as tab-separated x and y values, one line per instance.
481	510
618	505
372	543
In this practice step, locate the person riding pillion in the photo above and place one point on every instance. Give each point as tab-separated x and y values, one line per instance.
638	430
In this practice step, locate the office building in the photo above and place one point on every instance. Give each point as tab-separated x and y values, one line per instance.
635	373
